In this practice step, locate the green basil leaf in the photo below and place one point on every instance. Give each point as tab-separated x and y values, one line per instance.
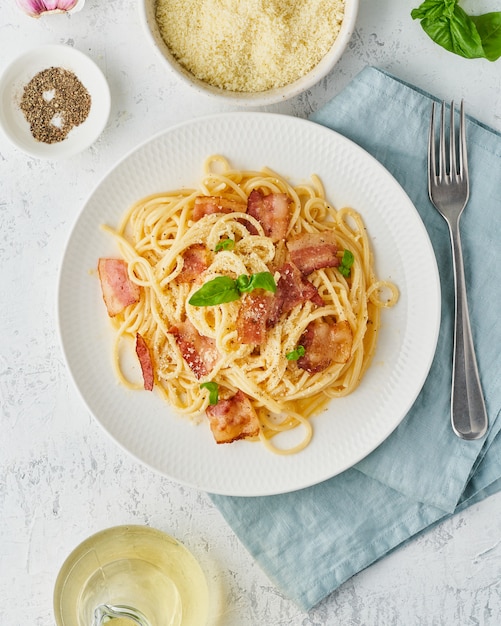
346	263
456	35
213	389
489	28
294	355
465	38
261	280
448	25
434	9
225	244
217	291
243	283
224	289
348	258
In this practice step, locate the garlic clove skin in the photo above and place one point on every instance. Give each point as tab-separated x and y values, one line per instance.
37	8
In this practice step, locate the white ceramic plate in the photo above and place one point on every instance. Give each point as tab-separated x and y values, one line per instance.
351	427
22	70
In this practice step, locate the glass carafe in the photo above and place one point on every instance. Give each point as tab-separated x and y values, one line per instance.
131	576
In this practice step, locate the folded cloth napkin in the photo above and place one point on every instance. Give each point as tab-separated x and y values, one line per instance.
310	541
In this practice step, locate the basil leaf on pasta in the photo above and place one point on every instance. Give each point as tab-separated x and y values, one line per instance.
346	263
294	355
217	291
213	389
261	280
225	289
225	244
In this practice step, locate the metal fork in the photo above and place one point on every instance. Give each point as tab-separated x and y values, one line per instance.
448	187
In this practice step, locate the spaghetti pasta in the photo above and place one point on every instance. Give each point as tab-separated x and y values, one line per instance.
285	358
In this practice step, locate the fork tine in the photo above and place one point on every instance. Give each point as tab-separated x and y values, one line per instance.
432	164
447	158
453	171
442	158
463	159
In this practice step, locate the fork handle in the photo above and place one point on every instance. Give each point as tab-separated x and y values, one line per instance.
468	412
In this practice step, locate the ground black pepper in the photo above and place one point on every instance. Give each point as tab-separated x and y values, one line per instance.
53	102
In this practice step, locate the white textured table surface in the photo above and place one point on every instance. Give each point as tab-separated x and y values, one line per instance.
61	477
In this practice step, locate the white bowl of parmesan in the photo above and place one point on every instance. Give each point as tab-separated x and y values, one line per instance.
250	52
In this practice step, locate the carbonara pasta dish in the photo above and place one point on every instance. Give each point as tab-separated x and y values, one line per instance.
249	300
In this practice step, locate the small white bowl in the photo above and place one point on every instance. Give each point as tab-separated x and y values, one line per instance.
22	70
262	98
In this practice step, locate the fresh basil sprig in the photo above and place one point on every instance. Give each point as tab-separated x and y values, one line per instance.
261	280
294	355
470	36
225	289
225	244
213	389
346	263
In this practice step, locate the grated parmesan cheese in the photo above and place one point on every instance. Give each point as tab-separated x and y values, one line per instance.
249	45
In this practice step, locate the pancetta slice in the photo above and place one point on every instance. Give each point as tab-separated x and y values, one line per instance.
271	211
325	343
207	205
313	251
253	317
292	289
197	350
195	261
233	419
117	288
144	356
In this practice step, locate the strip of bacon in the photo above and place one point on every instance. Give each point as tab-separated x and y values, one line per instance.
144	356
325	343
207	205
292	289
271	211
117	288
233	419
313	251
197	350
195	260
253	318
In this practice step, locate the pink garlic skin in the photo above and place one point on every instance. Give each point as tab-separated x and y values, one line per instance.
37	8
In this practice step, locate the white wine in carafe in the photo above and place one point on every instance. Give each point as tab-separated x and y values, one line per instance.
131	576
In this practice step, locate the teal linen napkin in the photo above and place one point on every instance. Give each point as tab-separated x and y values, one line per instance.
310	541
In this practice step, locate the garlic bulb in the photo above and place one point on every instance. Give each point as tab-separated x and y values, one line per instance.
36	8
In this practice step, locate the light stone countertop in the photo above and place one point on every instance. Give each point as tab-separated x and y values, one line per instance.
62	478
